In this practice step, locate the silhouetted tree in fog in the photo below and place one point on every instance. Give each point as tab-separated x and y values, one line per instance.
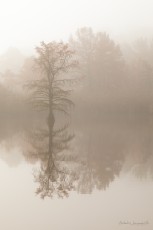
50	90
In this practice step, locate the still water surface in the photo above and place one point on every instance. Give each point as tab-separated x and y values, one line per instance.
108	183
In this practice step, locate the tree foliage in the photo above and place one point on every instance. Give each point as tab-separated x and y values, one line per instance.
51	91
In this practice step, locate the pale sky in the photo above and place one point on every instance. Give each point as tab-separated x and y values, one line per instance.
24	23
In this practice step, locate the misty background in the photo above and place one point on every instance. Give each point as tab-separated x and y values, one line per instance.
109	100
76	114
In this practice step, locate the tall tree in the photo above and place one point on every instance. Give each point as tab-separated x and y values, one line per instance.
50	91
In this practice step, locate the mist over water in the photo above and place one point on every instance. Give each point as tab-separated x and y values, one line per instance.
76	115
110	159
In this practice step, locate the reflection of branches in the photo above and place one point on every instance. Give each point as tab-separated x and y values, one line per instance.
56	175
54	180
95	167
103	159
97	160
98	173
62	171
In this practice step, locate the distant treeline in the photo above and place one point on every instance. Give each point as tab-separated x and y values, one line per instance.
112	79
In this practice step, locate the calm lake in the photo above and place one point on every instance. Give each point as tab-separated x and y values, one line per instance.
99	176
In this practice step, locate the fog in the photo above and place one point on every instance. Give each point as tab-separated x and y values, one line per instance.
76	114
25	23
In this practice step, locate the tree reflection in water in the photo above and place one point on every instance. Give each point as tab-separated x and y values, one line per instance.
92	159
70	164
58	165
